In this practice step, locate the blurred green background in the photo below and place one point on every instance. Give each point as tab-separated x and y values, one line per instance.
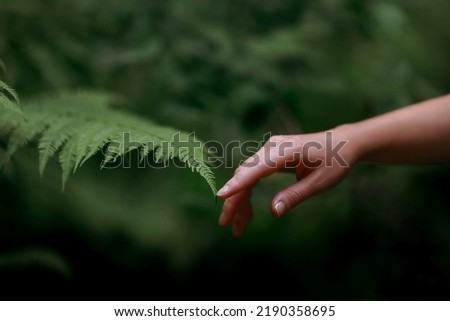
227	70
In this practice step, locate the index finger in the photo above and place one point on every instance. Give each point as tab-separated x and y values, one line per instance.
263	163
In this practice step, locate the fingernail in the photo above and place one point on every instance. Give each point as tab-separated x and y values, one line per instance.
223	190
280	208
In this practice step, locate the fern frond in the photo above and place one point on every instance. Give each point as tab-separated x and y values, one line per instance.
10	101
80	124
9	90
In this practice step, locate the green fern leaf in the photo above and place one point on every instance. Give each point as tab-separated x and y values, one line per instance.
9	90
6	103
80	124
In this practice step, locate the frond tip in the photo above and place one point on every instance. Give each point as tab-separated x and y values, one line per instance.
77	125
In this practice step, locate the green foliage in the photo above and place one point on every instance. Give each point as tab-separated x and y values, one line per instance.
9	98
80	124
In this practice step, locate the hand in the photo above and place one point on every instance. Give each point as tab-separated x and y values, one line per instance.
319	161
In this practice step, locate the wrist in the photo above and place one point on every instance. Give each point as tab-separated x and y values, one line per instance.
355	147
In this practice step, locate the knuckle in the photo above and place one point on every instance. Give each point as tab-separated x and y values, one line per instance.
294	197
277	138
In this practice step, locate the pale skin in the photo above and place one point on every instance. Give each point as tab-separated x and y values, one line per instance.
414	134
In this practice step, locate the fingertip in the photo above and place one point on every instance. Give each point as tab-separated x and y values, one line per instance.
237	230
234	230
222	219
278	208
231	188
226	219
229	193
223	192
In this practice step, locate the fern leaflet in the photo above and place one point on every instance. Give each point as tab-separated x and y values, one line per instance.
9	98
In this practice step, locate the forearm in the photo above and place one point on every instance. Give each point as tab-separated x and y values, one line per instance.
416	134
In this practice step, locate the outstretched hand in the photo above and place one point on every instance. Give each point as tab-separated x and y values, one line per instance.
319	161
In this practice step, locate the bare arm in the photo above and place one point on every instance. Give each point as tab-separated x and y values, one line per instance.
415	134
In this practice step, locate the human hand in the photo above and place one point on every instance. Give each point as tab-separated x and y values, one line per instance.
319	161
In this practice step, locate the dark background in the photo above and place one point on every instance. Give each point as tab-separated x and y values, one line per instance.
227	70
